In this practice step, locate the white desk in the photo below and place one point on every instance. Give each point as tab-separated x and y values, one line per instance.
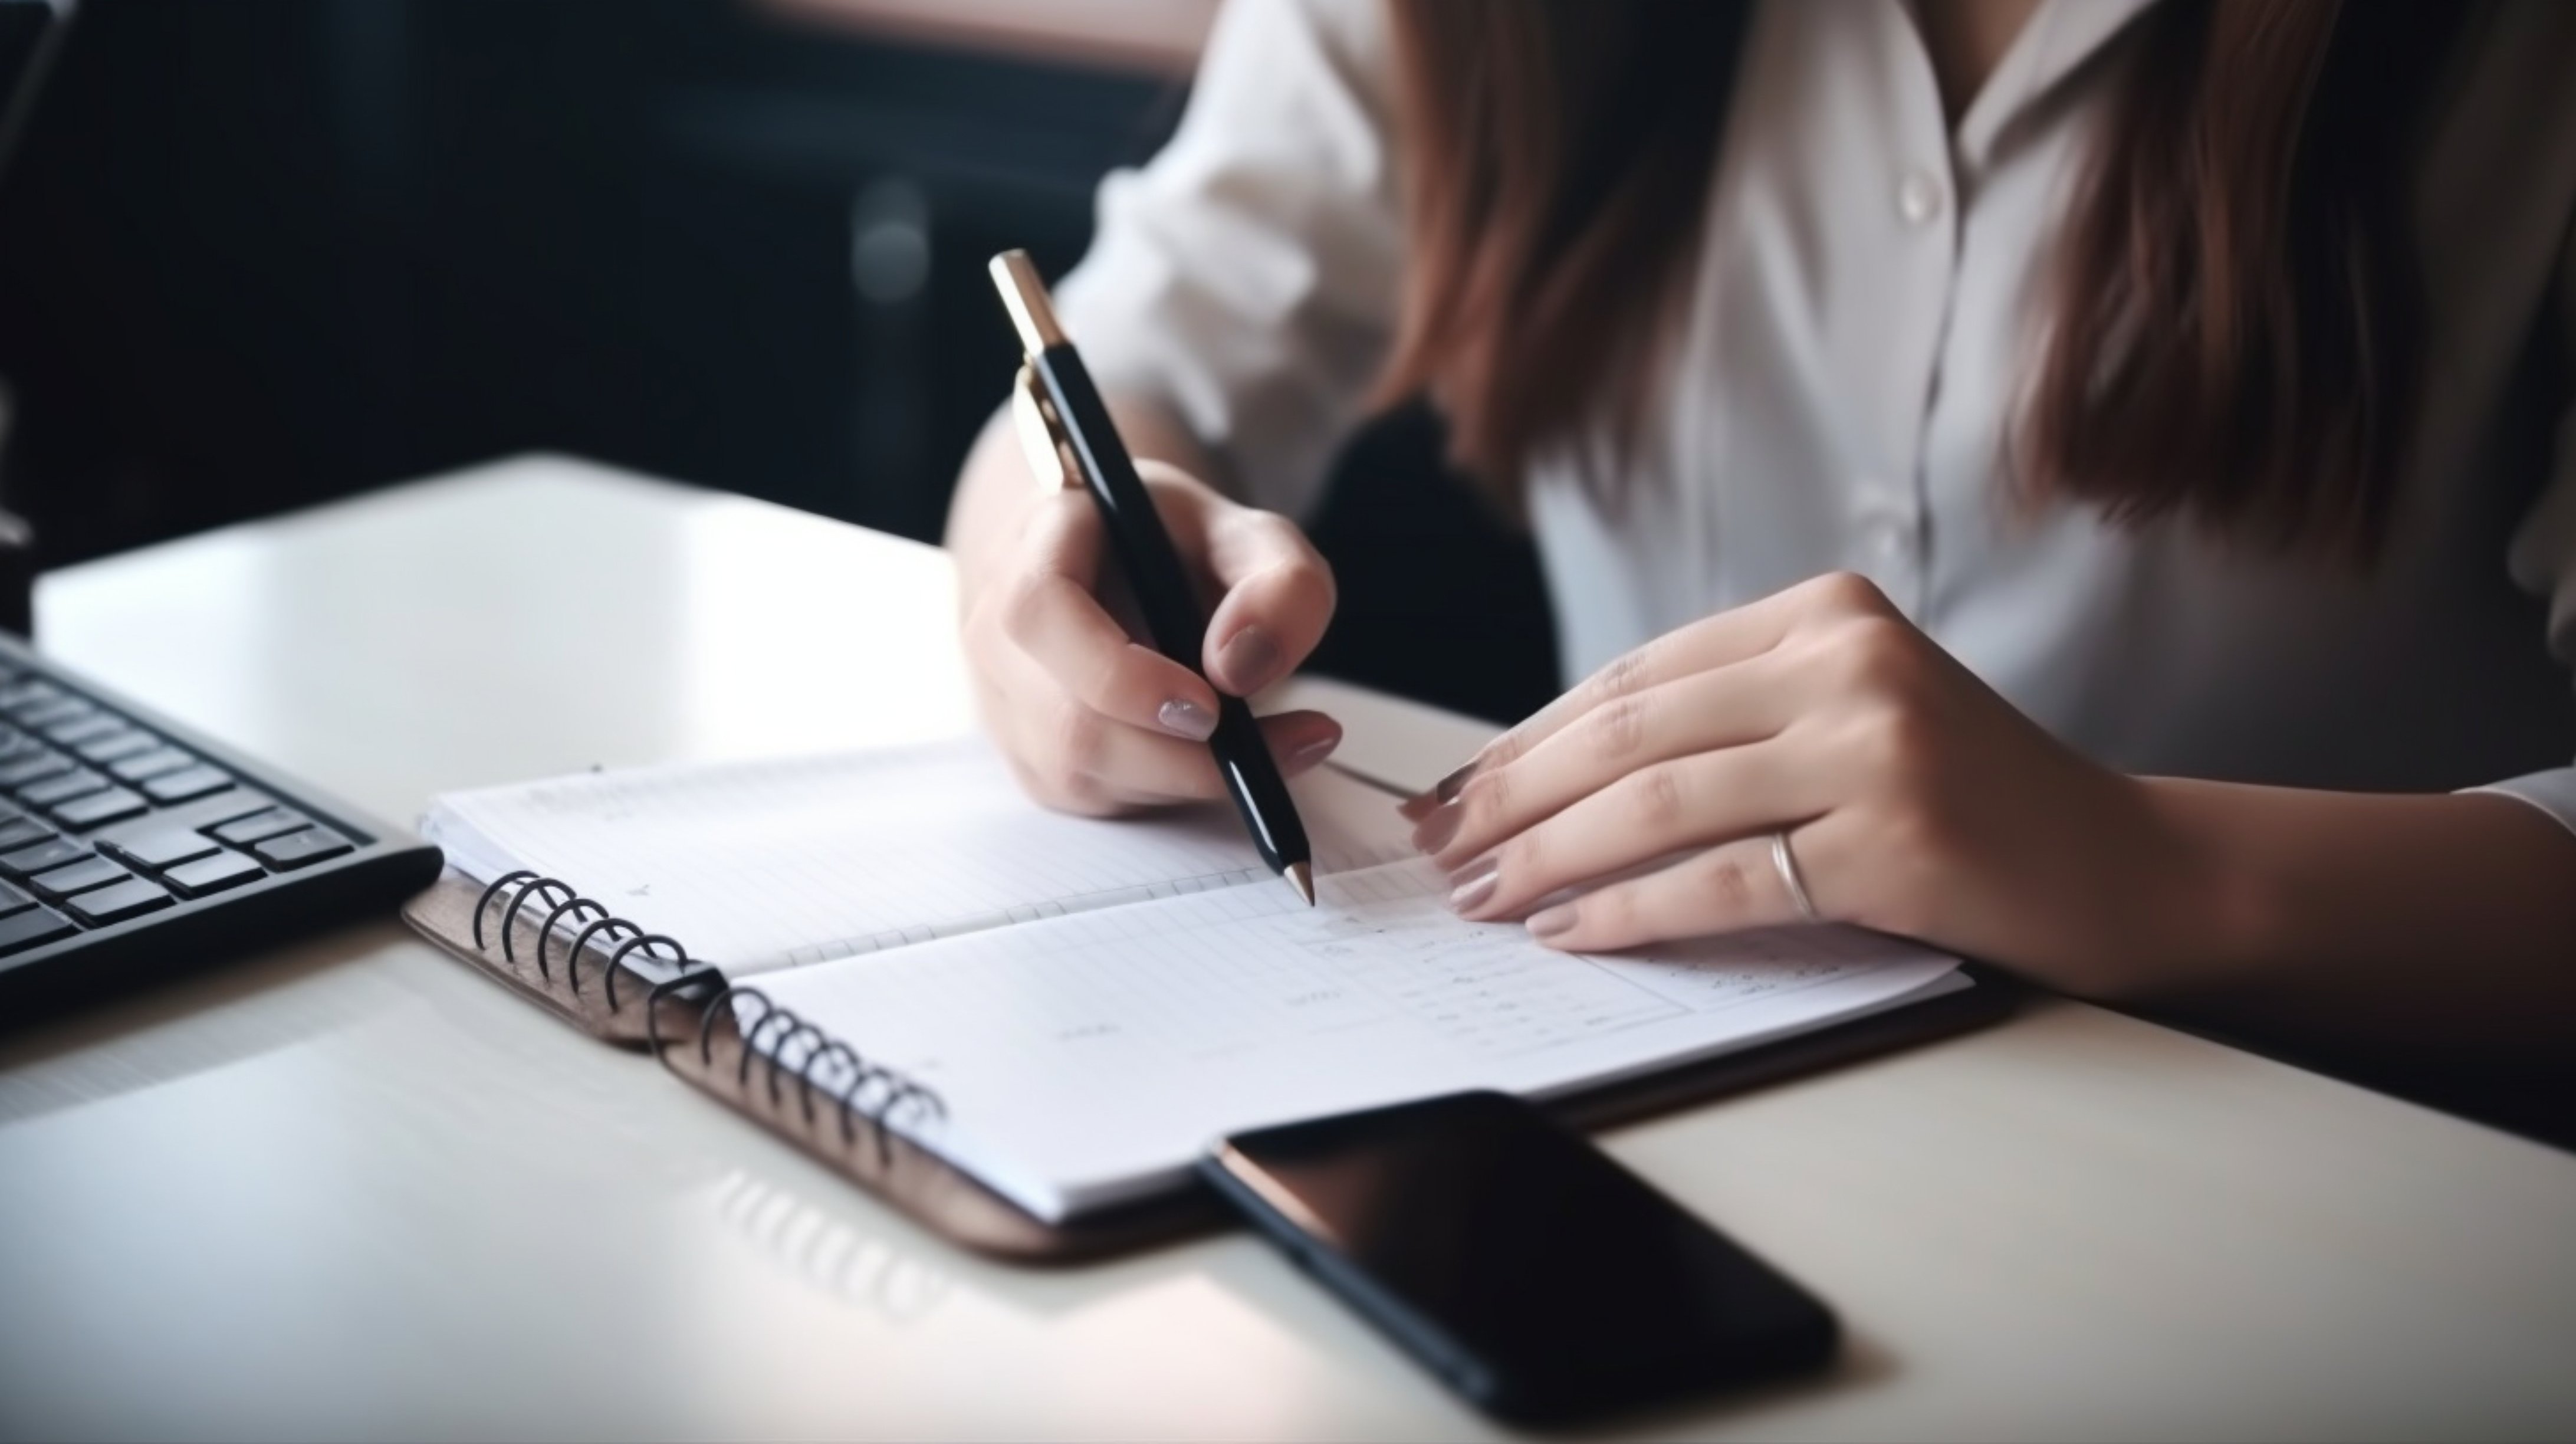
355	1189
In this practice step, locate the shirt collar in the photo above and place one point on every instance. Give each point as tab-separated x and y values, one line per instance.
2059	37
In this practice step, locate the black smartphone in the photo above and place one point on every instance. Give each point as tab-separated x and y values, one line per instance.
1541	1280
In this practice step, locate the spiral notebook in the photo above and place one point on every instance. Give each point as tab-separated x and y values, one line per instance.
1023	1027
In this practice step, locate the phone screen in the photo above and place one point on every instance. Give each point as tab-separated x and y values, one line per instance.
1538	1277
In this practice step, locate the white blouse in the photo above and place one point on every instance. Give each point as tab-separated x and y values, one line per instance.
1858	325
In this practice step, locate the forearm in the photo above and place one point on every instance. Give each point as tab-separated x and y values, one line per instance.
2416	917
984	515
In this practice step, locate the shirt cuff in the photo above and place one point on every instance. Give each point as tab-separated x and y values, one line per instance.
2553	792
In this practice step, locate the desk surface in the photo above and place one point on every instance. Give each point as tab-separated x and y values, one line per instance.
355	1189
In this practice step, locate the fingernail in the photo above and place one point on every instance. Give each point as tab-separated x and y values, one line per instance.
1184	718
1440	828
1247	659
1549	922
1445	790
1469	889
1308	753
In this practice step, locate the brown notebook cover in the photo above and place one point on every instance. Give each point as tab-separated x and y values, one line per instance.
619	986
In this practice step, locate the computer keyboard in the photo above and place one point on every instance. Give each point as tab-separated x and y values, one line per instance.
131	847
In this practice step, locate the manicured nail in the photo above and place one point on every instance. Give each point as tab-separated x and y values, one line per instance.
1307	754
1184	718
1550	922
1470	888
1248	659
1445	790
1440	828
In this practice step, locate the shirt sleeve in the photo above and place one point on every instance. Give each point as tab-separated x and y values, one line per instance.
2543	559
1246	278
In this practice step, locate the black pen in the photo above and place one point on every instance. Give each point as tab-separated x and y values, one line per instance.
1057	388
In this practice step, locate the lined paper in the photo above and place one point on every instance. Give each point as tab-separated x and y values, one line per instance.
757	866
1088	1058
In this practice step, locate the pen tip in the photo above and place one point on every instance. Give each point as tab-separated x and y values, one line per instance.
1301	876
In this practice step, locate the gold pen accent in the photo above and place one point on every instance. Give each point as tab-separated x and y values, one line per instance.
1042	436
1042	439
1024	296
1301	876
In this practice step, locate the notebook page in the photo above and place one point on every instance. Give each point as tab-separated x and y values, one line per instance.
766	864
1091	1058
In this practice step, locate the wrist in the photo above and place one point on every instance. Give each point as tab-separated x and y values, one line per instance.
2216	906
2387	914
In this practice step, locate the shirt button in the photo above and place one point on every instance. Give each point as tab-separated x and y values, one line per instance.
1918	198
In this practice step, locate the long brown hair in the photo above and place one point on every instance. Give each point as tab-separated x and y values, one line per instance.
2234	312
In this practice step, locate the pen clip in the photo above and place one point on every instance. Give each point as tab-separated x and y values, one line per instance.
1042	439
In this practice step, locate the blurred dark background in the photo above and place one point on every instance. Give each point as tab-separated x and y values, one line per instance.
260	254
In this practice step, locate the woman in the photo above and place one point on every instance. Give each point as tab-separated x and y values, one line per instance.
2089	485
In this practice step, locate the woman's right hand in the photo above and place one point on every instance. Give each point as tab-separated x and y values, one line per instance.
1095	720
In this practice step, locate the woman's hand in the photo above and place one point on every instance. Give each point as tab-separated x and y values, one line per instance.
1094	720
1914	800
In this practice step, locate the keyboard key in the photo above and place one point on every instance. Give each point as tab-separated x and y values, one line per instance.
33	929
27	694
18	832
172	788
77	783
19	771
130	898
101	808
161	850
13	901
149	764
62	882
258	826
82	729
226	807
47	714
52	853
213	874
118	745
300	849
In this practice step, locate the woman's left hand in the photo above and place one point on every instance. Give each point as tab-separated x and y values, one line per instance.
1914	800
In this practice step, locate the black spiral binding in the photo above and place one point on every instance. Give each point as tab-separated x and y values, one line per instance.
871	1091
566	901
